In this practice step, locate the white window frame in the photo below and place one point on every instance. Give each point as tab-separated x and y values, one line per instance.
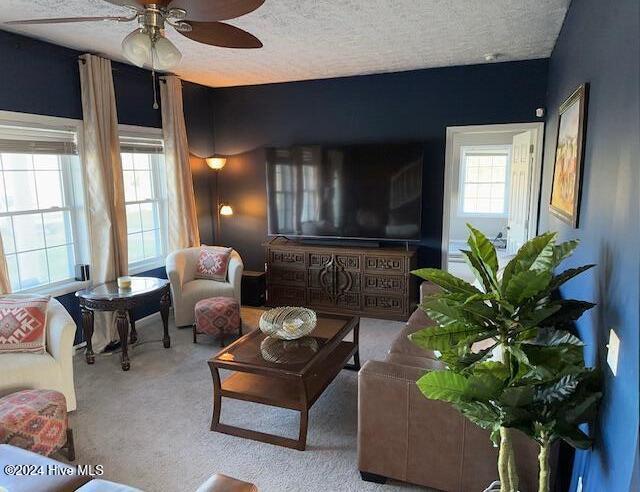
490	150
74	187
160	187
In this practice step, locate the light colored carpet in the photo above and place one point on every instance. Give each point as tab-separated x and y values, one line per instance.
149	427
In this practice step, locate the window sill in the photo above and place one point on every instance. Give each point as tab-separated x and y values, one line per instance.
138	268
484	215
58	289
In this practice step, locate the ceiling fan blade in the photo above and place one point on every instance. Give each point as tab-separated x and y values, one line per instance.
138	3
65	20
218	10
221	34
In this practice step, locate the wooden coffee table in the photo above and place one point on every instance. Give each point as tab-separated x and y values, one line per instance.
285	374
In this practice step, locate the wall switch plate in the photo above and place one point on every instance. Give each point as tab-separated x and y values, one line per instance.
612	351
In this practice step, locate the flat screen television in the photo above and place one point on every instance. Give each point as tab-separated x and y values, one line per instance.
371	191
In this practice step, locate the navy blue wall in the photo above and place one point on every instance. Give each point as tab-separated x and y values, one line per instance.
416	105
599	44
43	78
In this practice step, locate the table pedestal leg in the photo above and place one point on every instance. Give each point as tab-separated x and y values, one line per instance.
133	336
87	328
122	324
165	301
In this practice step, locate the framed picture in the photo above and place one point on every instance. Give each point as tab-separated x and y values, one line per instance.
567	169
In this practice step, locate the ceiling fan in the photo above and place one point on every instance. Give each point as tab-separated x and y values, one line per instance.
198	20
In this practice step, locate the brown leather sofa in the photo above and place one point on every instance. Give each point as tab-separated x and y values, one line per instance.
24	471
404	436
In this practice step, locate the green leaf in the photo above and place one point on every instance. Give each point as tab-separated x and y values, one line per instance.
527	284
564	250
444	385
536	254
442	337
570	310
556	392
484	250
560	279
477	270
574	436
485	386
534	318
582	411
447	281
517	396
495	369
481	414
442	311
552	338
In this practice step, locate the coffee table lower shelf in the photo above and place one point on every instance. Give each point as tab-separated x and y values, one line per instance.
293	392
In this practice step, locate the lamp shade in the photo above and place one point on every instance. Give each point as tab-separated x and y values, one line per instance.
136	47
159	54
226	210
216	162
165	55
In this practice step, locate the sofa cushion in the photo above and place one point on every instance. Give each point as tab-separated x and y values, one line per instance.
22	324
402	345
426	363
20	371
213	263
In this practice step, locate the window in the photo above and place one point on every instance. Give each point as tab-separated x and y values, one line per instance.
484	180
145	199
39	213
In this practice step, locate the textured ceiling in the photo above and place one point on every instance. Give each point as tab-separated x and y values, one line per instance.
311	39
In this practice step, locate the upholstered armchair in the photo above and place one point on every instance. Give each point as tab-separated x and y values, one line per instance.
52	370
186	289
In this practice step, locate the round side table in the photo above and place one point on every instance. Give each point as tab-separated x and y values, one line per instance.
109	297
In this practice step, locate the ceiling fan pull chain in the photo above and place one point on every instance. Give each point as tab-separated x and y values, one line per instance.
155	94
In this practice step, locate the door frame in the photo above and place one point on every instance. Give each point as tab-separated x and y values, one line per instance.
536	175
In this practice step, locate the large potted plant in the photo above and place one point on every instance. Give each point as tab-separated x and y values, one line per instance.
510	360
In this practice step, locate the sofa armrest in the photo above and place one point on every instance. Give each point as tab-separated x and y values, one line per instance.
403	435
175	265
61	332
236	267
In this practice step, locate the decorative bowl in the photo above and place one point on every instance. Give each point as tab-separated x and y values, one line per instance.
280	351
287	322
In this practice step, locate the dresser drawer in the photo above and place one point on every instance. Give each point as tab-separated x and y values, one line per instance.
287	276
385	264
285	295
286	258
381	303
348	300
385	283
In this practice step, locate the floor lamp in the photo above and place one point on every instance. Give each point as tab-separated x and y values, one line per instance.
217	162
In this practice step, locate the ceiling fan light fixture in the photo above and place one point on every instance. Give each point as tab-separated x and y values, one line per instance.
165	54
136	47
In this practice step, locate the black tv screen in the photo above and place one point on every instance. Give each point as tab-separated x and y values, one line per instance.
354	192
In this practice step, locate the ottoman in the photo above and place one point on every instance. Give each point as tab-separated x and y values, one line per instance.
36	420
217	316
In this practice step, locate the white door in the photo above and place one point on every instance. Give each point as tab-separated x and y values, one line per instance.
520	190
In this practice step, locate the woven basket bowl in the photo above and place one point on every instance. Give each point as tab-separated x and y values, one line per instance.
287	322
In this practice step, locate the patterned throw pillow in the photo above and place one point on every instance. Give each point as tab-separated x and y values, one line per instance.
23	321
213	263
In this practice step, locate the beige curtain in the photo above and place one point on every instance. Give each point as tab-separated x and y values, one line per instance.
5	284
183	219
105	189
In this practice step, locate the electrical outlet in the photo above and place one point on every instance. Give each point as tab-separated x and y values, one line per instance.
613	348
579	486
